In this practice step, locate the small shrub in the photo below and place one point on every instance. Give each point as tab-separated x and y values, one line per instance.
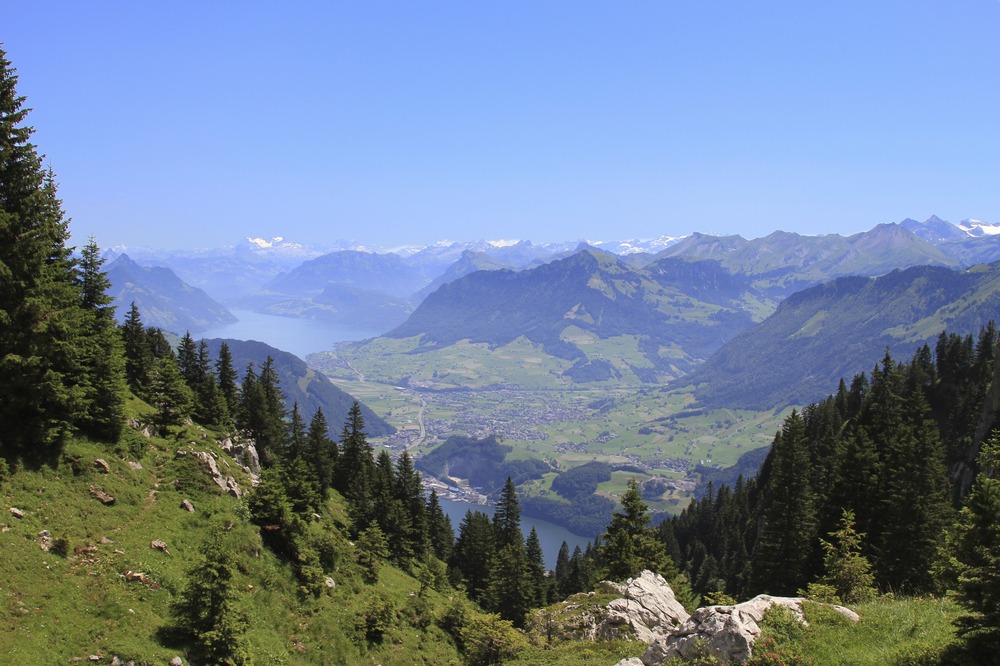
60	546
821	593
372	623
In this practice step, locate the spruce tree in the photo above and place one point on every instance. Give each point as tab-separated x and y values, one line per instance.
788	539
227	377
321	451
44	358
974	549
472	556
507	517
439	528
629	546
536	568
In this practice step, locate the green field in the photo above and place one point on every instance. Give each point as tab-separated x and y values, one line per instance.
519	394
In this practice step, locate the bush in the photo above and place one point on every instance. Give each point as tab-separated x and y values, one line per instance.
489	640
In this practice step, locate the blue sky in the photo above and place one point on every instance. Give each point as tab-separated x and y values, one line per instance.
194	124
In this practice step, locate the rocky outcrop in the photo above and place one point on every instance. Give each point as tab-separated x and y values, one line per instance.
224	481
725	632
244	452
646	610
642	608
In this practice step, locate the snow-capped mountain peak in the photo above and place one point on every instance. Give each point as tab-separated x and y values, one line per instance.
979	228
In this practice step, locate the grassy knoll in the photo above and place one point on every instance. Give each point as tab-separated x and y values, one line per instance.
892	632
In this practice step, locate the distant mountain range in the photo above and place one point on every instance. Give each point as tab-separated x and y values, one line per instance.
841	328
164	300
642	313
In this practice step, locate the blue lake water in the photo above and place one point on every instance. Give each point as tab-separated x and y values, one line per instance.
550	535
297	336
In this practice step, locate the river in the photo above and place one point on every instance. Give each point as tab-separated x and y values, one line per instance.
549	534
298	336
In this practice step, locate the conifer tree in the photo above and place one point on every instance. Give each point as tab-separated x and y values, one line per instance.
439	529
409	494
629	546
788	533
321	451
472	557
227	377
103	351
536	569
44	357
974	549
209	611
507	517
138	357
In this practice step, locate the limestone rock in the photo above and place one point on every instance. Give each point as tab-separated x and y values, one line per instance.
17	513
647	610
187	506
726	632
176	661
630	661
102	466
156	544
135	465
102	496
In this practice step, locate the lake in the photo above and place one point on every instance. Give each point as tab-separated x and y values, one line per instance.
297	336
549	534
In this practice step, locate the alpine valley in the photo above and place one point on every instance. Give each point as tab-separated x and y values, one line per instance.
664	360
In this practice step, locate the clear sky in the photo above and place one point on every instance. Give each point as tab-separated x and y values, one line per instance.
193	124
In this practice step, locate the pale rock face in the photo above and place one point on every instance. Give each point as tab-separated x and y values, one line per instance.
647	609
726	632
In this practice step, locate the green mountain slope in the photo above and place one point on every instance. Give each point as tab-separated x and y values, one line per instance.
164	300
300	383
843	327
677	312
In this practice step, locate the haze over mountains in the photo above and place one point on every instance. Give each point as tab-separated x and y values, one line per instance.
634	313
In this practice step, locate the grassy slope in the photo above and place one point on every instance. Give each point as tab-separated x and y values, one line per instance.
53	608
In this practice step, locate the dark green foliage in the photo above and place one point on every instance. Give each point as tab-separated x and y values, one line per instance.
507	518
321	451
582	480
299	383
629	546
227	377
472	556
877	450
847	571
788	534
208	611
439	529
540	586
510	589
371	549
975	554
58	356
481	461
587	515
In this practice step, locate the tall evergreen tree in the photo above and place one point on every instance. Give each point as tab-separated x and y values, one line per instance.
974	549
138	357
472	557
43	327
788	540
227	377
439	528
629	546
507	517
321	451
536	569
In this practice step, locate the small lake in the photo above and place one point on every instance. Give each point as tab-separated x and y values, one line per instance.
549	534
297	336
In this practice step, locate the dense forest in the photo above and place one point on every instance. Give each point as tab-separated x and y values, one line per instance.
888	485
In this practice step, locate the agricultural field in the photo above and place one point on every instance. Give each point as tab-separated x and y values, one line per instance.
516	392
